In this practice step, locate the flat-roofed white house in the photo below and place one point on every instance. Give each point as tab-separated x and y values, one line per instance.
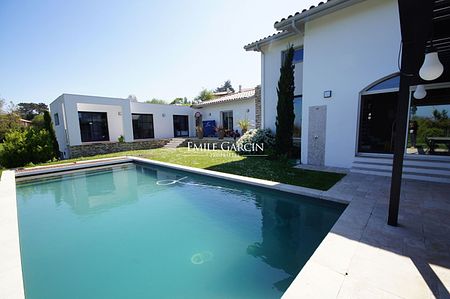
346	90
88	120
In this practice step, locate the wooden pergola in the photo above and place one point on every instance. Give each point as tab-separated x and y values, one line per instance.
423	24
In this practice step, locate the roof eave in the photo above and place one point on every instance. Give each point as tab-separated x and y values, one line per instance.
315	12
207	103
256	46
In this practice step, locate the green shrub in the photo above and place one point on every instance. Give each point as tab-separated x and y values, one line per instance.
262	137
23	147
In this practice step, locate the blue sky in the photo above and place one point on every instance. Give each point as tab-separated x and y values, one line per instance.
152	49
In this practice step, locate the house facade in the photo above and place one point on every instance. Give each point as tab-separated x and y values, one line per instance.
87	120
226	111
87	125
346	86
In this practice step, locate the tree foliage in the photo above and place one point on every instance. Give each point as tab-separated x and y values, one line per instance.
38	122
23	147
29	110
8	122
285	106
204	95
156	101
181	101
225	87
48	125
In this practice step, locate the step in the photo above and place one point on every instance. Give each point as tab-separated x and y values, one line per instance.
411	176
406	168
426	163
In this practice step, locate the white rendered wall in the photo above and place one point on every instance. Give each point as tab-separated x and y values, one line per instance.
344	52
271	60
60	131
239	108
117	125
163	125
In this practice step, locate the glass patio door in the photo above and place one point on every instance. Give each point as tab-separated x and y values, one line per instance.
180	125
227	120
377	123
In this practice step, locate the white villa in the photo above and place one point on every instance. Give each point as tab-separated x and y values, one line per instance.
346	90
86	125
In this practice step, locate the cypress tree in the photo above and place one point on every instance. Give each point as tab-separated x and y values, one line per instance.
49	127
285	106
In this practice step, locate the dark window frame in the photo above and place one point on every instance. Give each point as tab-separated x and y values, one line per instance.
56	117
138	124
96	127
185	122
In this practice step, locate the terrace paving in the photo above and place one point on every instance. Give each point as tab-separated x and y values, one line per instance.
363	257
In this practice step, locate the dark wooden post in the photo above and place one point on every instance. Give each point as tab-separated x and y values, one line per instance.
401	125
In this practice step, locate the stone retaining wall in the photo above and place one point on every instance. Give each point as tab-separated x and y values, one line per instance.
93	149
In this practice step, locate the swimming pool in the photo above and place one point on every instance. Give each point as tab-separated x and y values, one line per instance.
140	231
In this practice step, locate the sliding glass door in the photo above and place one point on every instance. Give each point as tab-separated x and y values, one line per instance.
181	125
227	120
377	123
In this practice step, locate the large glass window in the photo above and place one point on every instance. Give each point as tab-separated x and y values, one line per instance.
429	124
142	126
298	117
181	125
93	126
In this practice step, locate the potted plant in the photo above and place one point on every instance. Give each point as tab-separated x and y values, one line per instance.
244	124
121	139
199	132
220	132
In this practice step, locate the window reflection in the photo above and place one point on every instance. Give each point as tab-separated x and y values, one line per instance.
429	125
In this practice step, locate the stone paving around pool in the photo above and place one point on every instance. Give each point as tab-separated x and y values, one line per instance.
363	257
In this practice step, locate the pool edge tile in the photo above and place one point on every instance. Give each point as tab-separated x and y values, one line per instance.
11	280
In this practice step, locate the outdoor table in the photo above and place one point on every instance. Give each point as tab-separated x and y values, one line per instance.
434	141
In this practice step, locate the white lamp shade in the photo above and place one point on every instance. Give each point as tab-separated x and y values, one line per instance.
431	68
420	92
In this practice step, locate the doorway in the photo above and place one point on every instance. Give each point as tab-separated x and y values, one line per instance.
180	125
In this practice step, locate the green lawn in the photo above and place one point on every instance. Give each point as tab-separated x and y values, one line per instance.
223	161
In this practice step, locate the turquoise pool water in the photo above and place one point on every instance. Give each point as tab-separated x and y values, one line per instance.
135	231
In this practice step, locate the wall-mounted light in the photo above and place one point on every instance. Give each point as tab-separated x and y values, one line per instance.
248	110
327	94
432	67
420	92
163	115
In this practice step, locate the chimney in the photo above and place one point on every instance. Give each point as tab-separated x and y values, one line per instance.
240	88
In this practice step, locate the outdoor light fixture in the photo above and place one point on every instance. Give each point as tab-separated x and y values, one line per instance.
432	67
420	92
